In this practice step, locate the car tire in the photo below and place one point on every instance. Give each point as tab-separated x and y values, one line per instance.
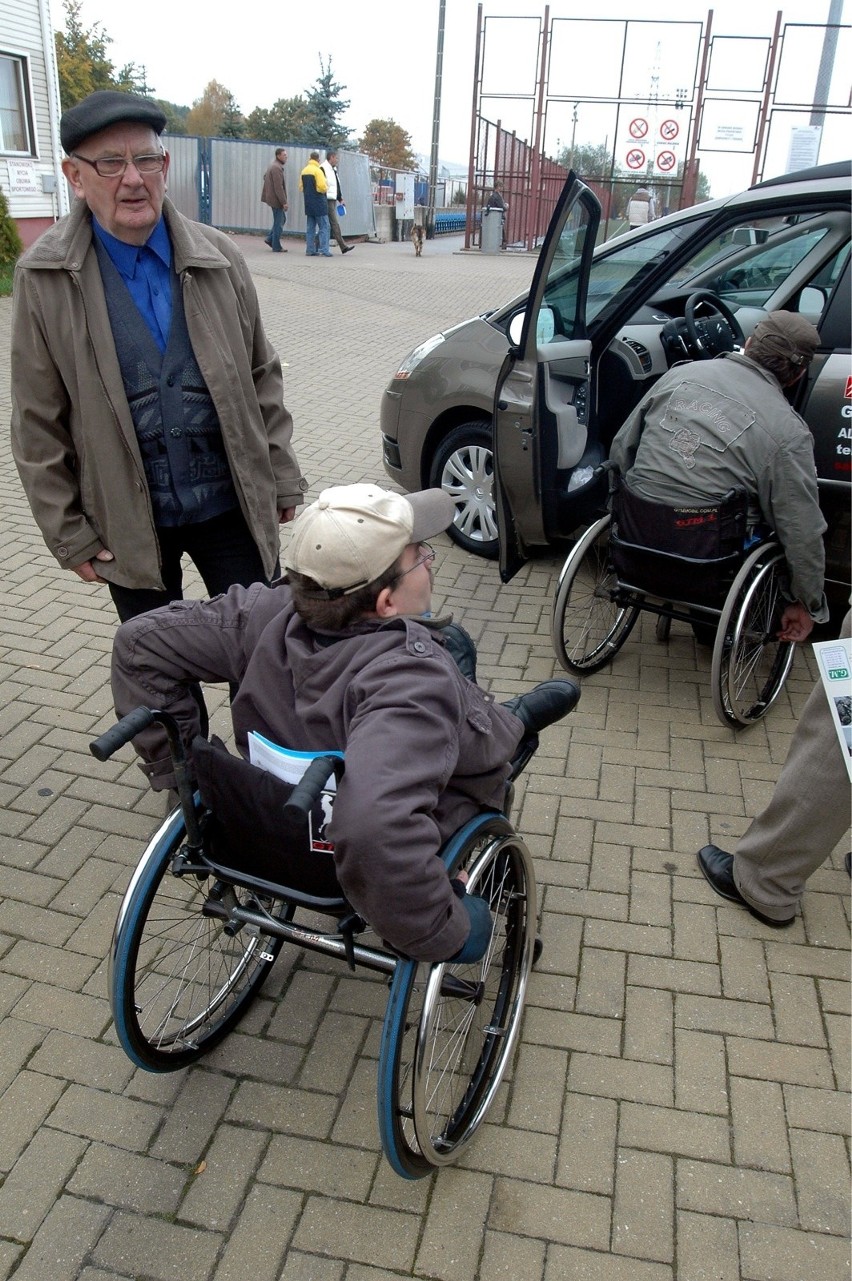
463	466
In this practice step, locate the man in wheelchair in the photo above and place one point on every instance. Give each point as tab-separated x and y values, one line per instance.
725	425
344	655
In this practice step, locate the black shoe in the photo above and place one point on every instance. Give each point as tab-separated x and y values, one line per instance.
548	702
717	867
347	249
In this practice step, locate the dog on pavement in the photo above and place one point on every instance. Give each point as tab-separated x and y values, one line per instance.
418	236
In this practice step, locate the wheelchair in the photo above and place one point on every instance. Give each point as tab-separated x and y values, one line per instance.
698	573
204	919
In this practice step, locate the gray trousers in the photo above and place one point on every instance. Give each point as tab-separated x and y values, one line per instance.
334	223
808	814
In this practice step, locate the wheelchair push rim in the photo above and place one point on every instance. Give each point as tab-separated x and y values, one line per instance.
178	980
450	1030
589	623
750	664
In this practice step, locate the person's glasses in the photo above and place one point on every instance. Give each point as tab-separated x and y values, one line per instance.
426	557
114	166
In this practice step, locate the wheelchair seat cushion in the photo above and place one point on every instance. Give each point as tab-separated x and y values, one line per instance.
248	829
683	552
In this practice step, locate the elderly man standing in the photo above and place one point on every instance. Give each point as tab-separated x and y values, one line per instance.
313	186
147	413
712	426
274	194
334	197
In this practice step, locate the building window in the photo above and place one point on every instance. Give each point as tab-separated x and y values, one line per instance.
15	118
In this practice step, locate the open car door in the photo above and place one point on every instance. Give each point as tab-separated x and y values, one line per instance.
541	403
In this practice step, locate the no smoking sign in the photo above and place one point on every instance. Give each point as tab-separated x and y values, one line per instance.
666	161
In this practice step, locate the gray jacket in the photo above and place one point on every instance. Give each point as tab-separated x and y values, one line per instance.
73	438
712	426
425	748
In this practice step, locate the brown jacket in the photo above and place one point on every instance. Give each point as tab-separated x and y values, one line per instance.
425	749
72	434
274	191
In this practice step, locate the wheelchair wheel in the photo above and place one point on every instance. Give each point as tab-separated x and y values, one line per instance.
750	664
588	626
450	1030
178	981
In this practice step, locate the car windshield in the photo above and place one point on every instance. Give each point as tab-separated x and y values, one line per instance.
755	257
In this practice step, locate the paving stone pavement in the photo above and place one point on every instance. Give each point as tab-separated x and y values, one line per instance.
678	1110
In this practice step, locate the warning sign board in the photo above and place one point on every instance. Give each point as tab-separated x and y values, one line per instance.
669	130
666	161
638	128
636	158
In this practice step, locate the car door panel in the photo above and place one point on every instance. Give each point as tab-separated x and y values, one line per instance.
541	401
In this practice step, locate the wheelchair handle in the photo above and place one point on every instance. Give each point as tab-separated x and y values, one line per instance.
310	787
122	732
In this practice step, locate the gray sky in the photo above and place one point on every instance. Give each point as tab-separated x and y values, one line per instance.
384	52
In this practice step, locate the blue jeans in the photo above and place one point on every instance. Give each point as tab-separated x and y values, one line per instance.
279	217
317	230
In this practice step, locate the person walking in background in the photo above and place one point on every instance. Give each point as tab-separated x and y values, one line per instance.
274	194
334	197
807	815
147	417
641	208
313	186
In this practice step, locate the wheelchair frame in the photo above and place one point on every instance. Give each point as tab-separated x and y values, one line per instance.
194	942
594	612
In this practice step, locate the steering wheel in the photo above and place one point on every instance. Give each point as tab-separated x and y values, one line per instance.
712	334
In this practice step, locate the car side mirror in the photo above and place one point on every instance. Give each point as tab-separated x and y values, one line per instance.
811	303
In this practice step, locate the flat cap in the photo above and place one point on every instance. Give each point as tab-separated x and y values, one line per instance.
103	108
787	334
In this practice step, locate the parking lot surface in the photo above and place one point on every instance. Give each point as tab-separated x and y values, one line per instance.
678	1108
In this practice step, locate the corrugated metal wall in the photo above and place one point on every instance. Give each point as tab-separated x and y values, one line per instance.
218	181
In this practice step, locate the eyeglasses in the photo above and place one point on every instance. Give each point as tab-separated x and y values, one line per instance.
425	558
114	166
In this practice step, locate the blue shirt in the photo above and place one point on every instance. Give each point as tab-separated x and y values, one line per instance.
147	272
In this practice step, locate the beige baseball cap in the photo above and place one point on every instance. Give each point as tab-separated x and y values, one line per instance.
353	533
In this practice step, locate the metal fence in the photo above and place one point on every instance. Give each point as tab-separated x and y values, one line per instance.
218	181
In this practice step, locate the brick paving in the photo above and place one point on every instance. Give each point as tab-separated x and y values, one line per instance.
678	1110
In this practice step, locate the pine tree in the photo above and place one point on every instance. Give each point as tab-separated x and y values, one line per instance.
325	107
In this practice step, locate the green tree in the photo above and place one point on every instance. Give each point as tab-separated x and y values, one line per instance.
587	160
83	63
10	241
175	115
213	112
388	143
287	120
233	123
325	107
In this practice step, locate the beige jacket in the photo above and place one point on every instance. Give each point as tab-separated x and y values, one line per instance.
72	434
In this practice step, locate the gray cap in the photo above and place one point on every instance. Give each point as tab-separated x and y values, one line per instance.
787	334
103	108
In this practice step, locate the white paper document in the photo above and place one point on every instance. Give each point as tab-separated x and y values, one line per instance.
835	669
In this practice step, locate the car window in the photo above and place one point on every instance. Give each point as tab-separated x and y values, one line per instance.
621	268
758	256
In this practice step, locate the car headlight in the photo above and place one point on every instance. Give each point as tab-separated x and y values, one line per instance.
414	358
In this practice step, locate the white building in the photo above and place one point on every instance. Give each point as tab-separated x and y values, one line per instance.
30	152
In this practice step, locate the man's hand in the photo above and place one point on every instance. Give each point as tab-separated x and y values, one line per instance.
285	515
796	623
88	570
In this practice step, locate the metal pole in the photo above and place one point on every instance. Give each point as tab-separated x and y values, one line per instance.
690	177
826	62
470	212
436	121
767	98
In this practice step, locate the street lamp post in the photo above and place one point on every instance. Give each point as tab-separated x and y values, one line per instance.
436	121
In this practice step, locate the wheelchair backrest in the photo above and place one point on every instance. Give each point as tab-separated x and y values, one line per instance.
678	552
